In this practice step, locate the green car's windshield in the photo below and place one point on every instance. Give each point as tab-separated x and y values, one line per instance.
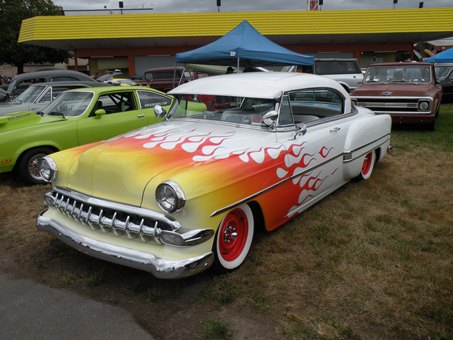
248	111
69	104
30	94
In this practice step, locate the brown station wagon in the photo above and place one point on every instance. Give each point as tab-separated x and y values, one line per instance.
408	91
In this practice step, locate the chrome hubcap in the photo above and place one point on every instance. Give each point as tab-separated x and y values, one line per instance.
33	167
230	234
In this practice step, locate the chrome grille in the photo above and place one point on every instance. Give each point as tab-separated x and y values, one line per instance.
393	104
106	216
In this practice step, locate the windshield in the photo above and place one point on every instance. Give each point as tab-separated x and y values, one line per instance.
248	111
324	67
69	104
30	94
415	74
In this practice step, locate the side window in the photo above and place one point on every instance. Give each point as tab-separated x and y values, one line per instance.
450	76
115	102
23	85
313	104
149	99
286	116
54	92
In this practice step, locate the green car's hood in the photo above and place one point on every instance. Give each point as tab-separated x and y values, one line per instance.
20	120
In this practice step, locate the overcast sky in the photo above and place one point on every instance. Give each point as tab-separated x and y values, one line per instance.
169	6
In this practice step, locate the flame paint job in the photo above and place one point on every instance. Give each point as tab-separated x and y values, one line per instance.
219	166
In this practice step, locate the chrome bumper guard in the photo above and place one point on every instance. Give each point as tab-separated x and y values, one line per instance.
159	267
124	220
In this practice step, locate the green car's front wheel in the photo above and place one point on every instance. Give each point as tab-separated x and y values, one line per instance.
27	167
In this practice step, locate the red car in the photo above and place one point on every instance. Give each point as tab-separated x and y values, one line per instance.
408	91
165	78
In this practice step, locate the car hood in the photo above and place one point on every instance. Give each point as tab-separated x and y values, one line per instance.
394	90
187	152
20	120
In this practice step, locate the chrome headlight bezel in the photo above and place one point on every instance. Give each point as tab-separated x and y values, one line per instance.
423	105
170	197
48	169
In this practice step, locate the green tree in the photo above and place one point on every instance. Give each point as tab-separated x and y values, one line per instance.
12	12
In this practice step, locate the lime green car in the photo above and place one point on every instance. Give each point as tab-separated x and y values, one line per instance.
76	117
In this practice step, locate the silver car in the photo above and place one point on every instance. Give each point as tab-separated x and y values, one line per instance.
35	97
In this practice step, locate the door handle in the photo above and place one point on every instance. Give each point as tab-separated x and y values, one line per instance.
141	116
334	130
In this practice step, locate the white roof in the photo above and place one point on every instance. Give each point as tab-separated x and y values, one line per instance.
268	85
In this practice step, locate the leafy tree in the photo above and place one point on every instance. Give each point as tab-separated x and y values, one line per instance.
12	12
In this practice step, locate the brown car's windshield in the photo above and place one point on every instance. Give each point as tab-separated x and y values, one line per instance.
415	74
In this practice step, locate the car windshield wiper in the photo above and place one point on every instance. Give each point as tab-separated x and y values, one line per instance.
56	113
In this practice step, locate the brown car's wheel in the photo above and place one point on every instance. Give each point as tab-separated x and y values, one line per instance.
27	167
368	165
234	238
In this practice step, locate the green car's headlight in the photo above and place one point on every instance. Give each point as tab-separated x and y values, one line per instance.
47	169
170	197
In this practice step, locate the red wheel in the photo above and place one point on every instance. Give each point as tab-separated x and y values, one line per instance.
234	237
368	165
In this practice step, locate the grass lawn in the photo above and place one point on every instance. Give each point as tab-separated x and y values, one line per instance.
371	261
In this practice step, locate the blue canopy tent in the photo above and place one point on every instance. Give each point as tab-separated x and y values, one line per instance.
442	57
244	44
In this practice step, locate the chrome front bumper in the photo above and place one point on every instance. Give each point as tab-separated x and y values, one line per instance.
159	267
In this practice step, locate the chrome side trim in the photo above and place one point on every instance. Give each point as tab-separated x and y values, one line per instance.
159	267
345	155
348	155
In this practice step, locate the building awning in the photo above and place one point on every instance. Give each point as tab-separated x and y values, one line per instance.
197	29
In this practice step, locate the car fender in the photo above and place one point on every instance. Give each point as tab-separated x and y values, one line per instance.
369	133
35	144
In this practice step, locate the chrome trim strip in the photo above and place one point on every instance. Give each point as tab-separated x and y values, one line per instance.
159	267
348	155
248	198
392	97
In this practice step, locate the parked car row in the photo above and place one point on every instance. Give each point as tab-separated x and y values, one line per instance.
174	183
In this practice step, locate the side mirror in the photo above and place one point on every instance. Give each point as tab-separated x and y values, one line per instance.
100	112
270	118
159	111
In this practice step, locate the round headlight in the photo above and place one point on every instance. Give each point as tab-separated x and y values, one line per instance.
170	197
47	169
423	106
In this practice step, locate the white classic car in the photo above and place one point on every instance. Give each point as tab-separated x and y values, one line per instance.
237	152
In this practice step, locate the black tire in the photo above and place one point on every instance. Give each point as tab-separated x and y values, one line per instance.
27	166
